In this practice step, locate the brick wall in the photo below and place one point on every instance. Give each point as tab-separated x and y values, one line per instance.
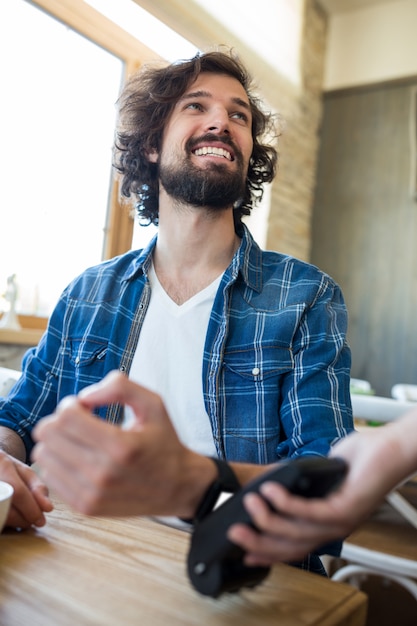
300	106
293	190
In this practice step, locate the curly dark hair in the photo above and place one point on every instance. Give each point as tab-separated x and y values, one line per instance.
145	105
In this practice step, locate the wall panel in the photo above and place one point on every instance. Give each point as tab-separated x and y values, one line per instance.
365	227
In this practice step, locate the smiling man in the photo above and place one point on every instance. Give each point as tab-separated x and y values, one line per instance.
209	168
243	349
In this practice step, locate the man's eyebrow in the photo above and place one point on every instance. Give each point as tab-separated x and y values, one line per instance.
207	94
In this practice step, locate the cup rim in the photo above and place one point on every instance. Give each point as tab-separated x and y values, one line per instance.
6	490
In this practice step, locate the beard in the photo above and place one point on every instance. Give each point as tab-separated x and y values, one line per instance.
212	186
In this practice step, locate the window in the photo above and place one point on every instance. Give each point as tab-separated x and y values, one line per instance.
63	64
57	123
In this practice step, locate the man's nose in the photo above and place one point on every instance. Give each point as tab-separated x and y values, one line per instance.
219	122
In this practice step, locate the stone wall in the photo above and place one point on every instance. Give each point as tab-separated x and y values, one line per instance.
300	106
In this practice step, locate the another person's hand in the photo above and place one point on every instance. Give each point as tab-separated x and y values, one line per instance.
378	460
30	499
102	469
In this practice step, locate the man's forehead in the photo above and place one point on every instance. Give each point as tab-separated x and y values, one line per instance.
208	84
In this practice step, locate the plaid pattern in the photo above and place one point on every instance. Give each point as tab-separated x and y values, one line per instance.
276	363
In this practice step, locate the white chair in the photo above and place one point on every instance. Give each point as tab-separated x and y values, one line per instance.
8	377
378	408
386	544
405	393
358	385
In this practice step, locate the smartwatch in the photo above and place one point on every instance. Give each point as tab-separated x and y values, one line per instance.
226	482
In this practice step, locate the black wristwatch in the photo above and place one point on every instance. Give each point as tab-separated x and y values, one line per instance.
226	482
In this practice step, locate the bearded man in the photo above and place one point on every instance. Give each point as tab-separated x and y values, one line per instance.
232	358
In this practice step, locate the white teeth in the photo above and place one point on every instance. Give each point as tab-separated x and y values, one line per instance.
220	152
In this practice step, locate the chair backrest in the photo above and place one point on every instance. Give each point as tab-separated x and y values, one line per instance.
378	408
358	385
8	377
386	544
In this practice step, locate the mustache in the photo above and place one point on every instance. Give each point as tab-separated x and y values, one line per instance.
211	138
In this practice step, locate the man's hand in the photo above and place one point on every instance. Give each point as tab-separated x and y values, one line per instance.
102	469
30	499
378	459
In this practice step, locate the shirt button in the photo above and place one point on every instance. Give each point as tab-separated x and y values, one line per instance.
256	371
77	360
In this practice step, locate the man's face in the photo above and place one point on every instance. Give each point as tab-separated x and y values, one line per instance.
207	143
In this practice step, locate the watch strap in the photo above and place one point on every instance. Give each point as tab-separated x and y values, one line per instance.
226	481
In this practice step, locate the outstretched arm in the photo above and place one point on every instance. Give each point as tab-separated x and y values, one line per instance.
378	460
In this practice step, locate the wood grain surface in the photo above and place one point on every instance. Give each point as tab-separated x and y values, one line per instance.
86	571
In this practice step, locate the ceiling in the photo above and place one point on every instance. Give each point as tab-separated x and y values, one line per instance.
340	6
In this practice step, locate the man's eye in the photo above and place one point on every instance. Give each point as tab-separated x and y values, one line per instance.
194	106
240	116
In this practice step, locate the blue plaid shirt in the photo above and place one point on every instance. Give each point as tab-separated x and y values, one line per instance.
276	363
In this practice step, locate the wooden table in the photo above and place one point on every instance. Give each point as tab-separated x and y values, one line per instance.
83	571
387	531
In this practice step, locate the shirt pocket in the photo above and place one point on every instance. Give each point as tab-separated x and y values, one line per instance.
84	353
257	365
81	363
250	402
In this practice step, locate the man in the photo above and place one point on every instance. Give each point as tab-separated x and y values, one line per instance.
378	459
245	348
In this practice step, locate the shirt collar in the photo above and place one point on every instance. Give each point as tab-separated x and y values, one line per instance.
247	261
141	260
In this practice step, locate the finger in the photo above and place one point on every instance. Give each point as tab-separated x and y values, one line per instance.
66	459
16	520
318	510
67	410
272	522
73	423
29	499
89	486
264	518
90	464
117	388
263	549
41	494
295	533
38	490
67	479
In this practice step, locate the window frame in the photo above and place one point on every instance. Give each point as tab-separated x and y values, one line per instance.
91	24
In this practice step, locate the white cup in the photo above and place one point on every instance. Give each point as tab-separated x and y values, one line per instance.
6	494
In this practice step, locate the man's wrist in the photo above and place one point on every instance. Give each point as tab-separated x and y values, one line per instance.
12	444
225	481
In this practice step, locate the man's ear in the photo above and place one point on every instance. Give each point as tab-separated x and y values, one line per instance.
153	156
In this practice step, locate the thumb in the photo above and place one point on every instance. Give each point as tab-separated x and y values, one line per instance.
117	388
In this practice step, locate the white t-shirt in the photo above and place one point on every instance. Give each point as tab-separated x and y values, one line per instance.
169	359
